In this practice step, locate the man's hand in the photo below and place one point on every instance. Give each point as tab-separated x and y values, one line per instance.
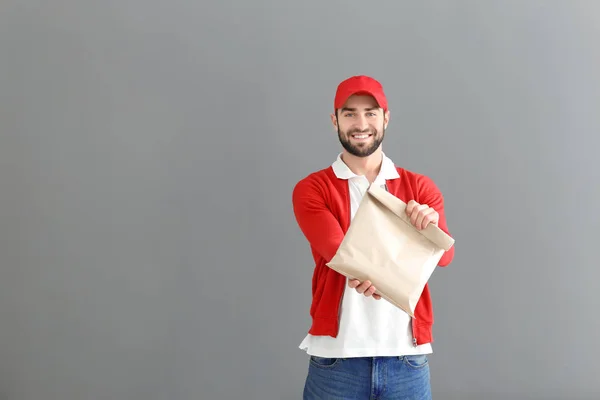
421	215
364	288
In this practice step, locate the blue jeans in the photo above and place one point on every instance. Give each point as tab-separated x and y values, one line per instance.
368	378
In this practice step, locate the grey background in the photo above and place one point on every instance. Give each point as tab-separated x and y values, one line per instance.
148	151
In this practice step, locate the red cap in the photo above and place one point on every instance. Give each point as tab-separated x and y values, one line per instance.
360	84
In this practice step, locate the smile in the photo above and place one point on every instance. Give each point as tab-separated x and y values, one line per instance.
362	135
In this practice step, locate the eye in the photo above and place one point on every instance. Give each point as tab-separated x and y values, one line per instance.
371	114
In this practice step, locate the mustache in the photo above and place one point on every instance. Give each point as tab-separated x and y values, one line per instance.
368	130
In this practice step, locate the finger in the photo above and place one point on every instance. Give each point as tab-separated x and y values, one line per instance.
376	296
415	213
363	287
370	291
410	206
432	218
423	218
419	219
353	283
435	217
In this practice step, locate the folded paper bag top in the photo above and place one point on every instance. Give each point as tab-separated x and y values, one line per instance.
382	246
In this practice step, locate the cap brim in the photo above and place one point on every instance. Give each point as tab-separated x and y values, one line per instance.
361	92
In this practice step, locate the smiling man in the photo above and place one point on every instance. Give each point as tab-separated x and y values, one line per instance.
360	346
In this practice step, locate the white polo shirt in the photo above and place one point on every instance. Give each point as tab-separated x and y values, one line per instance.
368	327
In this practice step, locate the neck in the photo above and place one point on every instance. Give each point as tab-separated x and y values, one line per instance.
367	166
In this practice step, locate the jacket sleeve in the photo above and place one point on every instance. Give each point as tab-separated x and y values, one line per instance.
430	194
316	221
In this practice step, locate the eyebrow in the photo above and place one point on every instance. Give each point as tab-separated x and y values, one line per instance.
354	109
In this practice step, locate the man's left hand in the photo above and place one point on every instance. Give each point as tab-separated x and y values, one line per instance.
421	215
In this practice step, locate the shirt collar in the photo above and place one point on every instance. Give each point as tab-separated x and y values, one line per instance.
388	169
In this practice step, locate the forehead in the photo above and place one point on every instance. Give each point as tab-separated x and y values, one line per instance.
361	101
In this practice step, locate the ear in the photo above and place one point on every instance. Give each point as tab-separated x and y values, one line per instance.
386	119
334	121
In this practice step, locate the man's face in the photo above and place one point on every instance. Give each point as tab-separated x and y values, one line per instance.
360	125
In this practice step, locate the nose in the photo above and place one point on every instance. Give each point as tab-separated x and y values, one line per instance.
362	123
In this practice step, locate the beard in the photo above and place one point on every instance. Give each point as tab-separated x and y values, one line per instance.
361	149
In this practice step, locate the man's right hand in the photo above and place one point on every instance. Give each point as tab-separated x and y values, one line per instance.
365	288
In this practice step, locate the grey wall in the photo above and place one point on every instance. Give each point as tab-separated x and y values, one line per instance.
147	155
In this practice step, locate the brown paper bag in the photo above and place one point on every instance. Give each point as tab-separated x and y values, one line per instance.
382	246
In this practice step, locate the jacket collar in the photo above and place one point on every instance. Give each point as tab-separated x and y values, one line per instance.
388	169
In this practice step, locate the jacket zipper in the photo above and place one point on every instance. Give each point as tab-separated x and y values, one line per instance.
414	332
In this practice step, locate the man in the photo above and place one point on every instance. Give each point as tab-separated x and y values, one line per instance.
362	347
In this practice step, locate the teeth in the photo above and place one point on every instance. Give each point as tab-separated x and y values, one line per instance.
361	136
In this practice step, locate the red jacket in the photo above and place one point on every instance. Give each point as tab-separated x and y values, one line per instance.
321	204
